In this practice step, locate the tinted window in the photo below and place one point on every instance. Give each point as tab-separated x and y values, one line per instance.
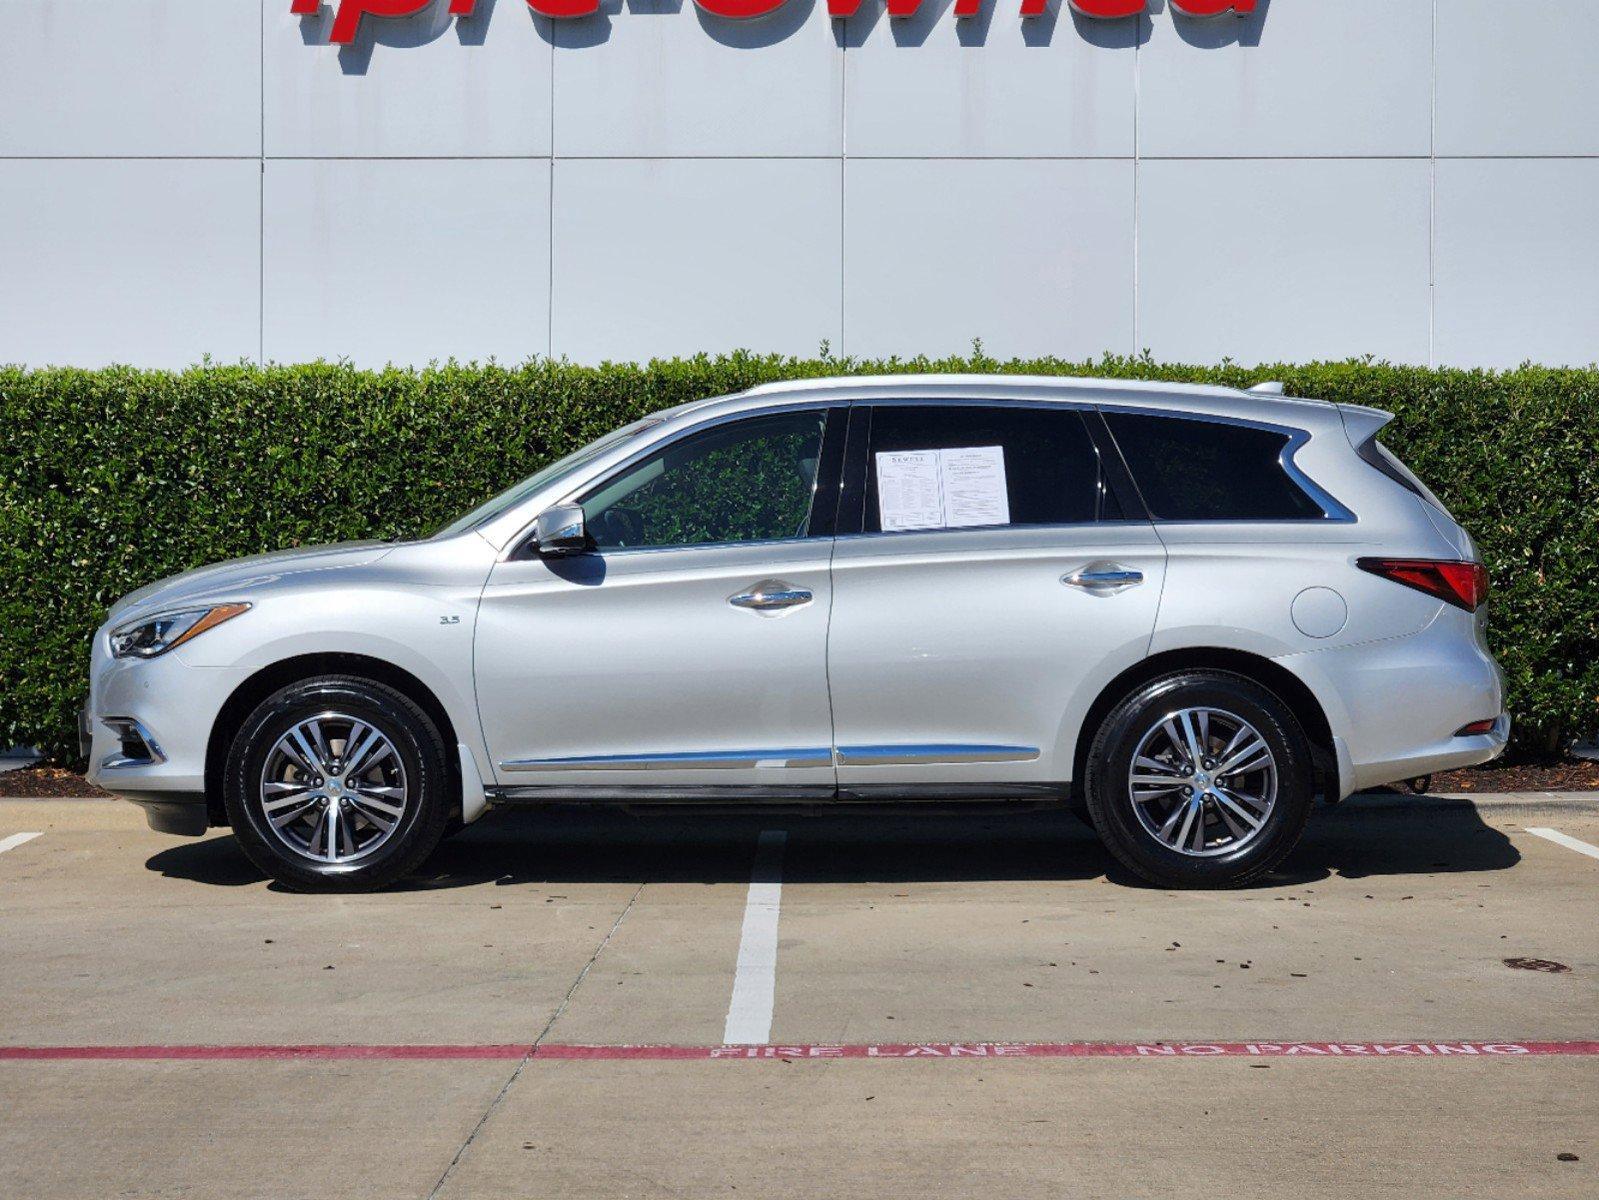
954	466
745	481
1386	461
1209	471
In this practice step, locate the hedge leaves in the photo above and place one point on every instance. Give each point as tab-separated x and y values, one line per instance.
111	479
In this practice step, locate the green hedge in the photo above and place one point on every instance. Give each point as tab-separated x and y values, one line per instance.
112	478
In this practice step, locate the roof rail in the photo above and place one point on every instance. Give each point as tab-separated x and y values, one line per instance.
1271	387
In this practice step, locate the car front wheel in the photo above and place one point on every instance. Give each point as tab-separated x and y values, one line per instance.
1200	779
337	784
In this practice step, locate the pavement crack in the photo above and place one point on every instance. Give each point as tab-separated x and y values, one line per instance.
581	975
521	1065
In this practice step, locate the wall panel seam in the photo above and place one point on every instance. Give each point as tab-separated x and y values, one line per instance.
843	191
1137	228
549	291
1432	194
260	267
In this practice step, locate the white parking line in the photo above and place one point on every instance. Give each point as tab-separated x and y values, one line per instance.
15	840
749	1015
1566	840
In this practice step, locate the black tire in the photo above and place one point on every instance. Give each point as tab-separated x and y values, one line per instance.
1114	813
417	745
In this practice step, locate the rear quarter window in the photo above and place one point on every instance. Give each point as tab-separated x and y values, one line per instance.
1196	470
1386	461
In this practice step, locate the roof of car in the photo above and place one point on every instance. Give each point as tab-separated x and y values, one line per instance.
1139	392
919	381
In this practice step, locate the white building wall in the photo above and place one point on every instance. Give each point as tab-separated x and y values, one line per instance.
1417	180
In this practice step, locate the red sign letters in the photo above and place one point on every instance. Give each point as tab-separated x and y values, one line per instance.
347	19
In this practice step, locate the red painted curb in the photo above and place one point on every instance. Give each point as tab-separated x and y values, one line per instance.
237	1053
945	1050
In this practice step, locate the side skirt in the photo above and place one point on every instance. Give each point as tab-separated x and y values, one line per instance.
743	797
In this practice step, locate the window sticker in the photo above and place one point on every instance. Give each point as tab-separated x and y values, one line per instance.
974	486
942	489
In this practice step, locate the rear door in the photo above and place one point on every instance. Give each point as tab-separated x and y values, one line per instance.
990	576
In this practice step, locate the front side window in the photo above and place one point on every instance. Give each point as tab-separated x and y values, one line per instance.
1193	470
957	466
744	481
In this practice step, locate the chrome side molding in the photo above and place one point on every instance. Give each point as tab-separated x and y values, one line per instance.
695	760
845	756
931	755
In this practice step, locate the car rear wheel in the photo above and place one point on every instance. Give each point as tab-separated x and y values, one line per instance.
1200	779
337	784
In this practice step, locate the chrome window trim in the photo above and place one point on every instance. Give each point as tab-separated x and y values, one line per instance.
1332	509
1064	526
683	760
623	551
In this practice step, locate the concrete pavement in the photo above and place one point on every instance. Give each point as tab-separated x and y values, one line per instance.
1392	923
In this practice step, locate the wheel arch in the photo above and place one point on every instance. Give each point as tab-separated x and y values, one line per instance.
1276	678
244	698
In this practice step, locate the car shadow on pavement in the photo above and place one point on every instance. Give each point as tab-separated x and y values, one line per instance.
1378	834
1366	836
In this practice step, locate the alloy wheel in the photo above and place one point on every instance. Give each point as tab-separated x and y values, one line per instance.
333	788
1203	782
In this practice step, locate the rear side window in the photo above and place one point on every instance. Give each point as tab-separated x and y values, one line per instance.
1192	470
1386	461
963	466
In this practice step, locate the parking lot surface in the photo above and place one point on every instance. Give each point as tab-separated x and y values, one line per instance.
936	1005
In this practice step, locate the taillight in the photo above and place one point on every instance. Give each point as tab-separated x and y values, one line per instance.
1463	584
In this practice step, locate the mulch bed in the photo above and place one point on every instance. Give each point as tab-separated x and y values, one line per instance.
1565	774
40	781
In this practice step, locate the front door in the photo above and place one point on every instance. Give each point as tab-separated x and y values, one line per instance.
990	588
686	653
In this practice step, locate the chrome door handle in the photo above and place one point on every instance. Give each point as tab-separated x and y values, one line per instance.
1103	577
770	595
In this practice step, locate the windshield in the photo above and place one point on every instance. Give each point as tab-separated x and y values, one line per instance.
518	492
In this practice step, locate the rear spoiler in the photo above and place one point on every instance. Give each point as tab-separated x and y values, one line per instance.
1362	423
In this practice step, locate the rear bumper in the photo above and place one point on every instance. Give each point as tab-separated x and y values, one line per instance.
1394	705
1445	755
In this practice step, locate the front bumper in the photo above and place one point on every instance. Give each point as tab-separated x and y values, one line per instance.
145	731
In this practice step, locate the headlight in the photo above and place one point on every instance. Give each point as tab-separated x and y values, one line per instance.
157	635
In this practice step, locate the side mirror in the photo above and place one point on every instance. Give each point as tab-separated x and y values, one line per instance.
560	530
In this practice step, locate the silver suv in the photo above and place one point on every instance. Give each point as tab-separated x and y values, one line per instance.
1186	611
